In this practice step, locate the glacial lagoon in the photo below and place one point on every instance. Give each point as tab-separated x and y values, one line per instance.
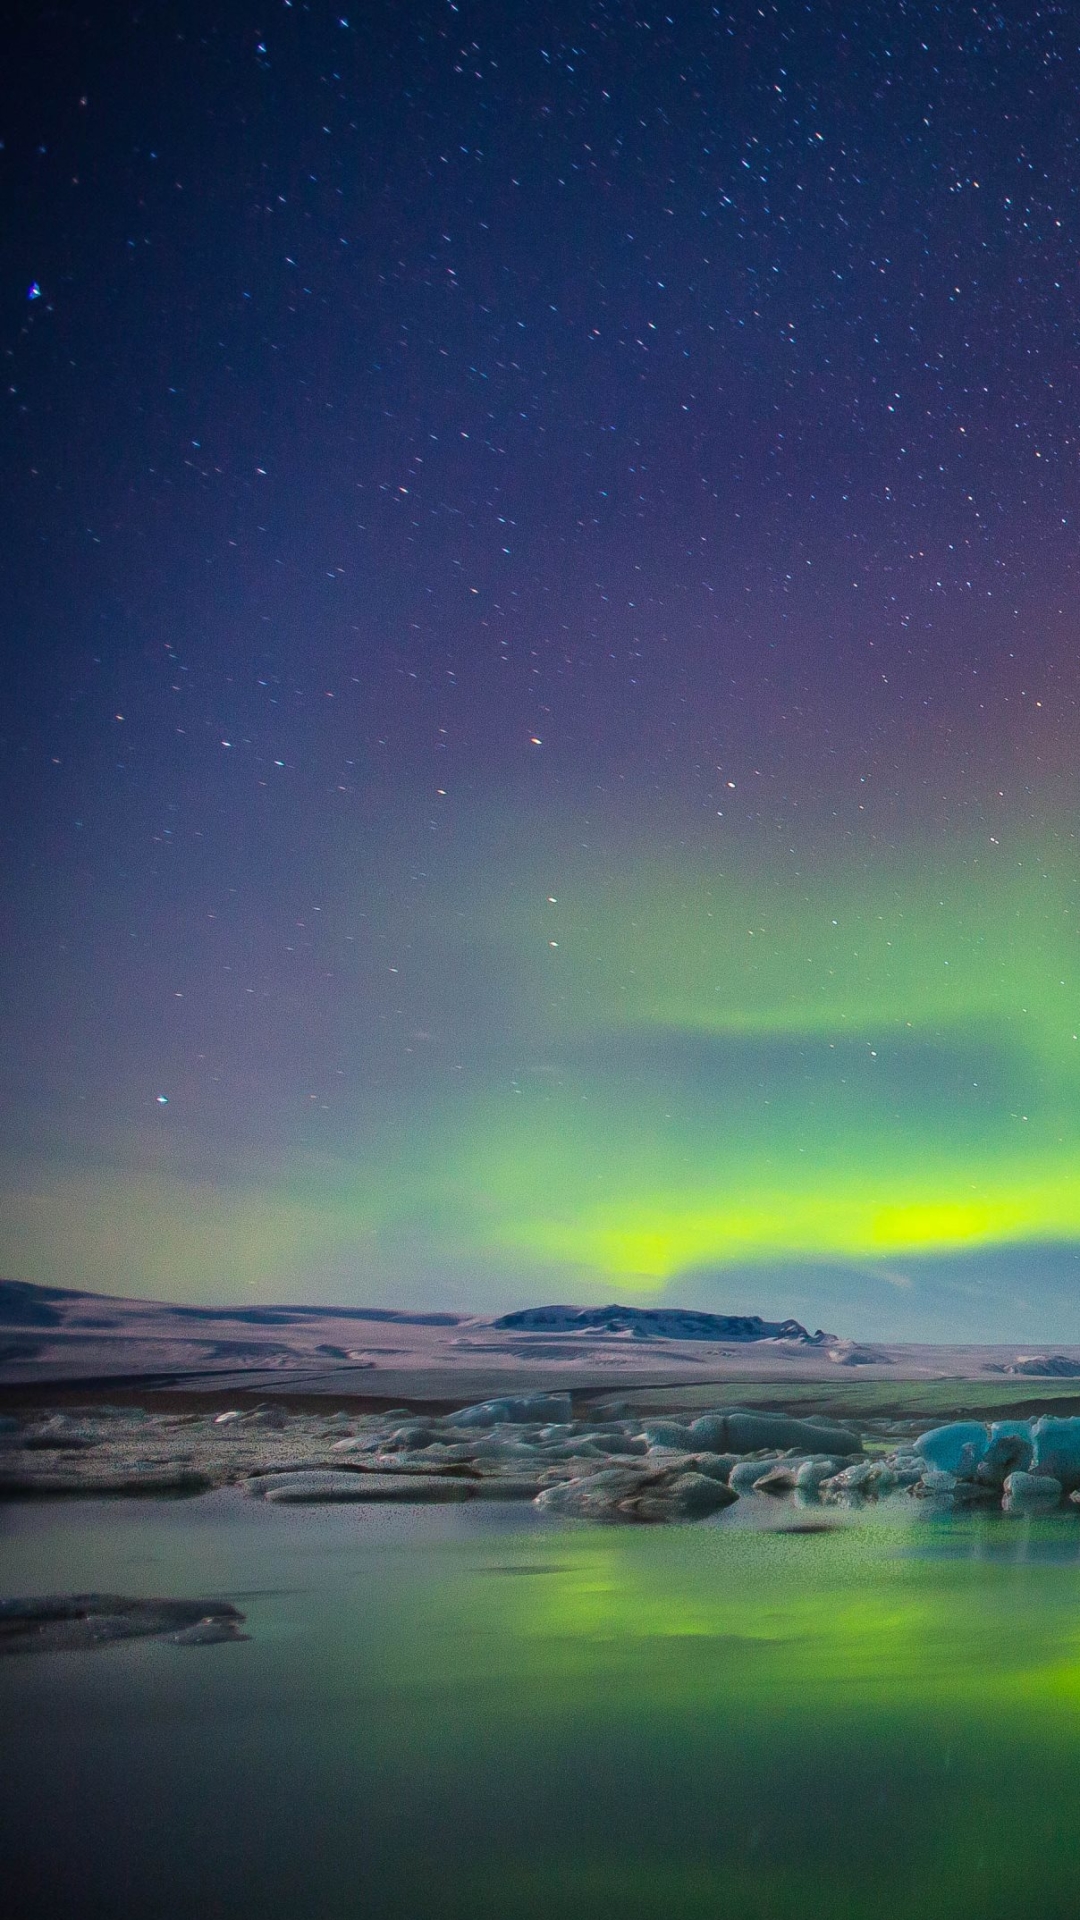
466	1712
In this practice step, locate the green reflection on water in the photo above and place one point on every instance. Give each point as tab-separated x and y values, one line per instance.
442	1715
793	1726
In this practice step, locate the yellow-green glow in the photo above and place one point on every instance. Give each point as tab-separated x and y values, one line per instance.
908	1634
742	1061
606	1066
893	1712
652	1239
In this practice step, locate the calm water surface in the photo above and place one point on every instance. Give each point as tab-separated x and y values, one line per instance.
464	1713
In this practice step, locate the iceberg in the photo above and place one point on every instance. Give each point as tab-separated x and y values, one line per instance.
1057	1450
749	1432
533	1408
957	1448
1031	1492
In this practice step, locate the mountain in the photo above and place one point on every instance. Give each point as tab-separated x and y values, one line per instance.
63	1334
23	1304
659	1323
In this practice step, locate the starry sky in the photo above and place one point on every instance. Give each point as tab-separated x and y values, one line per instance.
540	656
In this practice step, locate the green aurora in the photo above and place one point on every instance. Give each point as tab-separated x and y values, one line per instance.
617	1070
869	1061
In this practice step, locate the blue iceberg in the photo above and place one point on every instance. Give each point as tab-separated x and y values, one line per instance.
957	1448
1057	1450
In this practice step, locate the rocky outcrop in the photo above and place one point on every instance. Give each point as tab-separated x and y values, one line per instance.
1042	1366
849	1353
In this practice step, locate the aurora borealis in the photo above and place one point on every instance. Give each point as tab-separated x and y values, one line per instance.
541	660
665	1073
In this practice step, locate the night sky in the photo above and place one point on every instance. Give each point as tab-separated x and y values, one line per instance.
541	647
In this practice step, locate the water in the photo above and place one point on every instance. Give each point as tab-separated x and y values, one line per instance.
457	1713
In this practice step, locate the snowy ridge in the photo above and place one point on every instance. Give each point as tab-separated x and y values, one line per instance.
659	1323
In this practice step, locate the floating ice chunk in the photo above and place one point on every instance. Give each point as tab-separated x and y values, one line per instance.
690	1496
746	1432
739	1431
936	1480
1057	1449
595	1496
621	1493
410	1436
1007	1453
315	1487
1031	1492
857	1480
619	1443
811	1474
715	1466
66	1623
211	1632
668	1433
744	1477
530	1408
781	1479
957	1448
